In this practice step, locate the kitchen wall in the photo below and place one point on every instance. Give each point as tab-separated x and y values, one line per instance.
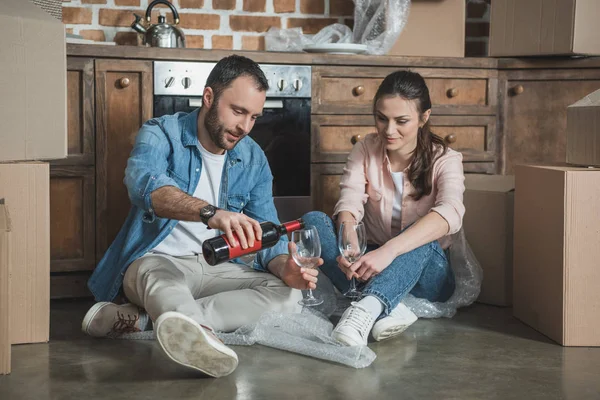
238	24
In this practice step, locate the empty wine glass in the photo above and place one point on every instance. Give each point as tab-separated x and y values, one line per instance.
352	242
306	252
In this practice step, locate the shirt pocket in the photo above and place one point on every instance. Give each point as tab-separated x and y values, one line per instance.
181	181
237	202
374	193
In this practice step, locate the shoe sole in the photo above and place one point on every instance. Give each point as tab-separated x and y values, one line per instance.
189	345
89	317
345	340
390	332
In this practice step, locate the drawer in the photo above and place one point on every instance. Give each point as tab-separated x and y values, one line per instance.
351	90
333	136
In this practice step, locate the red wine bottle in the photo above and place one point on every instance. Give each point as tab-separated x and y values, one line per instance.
218	249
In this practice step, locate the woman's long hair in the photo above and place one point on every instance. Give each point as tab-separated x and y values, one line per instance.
411	86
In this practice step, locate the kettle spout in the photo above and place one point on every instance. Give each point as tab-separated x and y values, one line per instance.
137	26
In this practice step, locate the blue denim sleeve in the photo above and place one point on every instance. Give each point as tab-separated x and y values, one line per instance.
147	167
261	208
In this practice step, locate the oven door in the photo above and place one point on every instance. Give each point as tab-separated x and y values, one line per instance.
283	132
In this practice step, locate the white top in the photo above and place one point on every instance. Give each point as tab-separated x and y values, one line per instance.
398	178
186	237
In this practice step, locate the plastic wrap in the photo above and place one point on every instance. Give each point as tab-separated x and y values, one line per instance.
377	24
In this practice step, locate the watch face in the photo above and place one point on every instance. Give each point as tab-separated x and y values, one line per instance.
207	212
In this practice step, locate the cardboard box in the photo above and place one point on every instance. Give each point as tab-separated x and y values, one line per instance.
434	28
544	27
26	190
583	131
33	108
488	226
4	289
557	251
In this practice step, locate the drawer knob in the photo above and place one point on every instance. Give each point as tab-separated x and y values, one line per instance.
356	138
358	91
517	90
451	138
452	92
124	82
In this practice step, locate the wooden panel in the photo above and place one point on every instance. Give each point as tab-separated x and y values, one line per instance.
535	118
334	135
80	112
325	182
124	98
350	90
71	285
72	218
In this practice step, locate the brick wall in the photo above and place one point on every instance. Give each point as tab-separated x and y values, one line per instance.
209	24
237	24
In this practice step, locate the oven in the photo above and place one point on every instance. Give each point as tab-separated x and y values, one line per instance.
283	131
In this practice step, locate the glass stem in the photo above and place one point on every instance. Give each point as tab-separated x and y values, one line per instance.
352	284
310	295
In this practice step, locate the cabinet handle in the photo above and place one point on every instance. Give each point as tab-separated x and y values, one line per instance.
452	92
124	82
451	138
517	90
359	90
356	138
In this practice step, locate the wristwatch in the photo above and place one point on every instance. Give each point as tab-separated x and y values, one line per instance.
206	213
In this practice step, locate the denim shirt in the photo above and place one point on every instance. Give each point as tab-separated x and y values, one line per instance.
166	153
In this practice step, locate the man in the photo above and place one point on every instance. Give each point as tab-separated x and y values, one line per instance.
181	167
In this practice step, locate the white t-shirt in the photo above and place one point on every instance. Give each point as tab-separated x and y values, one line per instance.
186	237
398	178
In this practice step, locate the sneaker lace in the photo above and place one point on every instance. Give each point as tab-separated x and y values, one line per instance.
124	325
358	318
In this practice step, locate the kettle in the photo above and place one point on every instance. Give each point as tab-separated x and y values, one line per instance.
161	34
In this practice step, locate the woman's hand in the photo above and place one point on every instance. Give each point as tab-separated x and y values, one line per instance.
372	263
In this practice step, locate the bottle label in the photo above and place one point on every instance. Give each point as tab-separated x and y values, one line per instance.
238	251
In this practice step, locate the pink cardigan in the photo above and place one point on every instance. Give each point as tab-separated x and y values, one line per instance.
367	191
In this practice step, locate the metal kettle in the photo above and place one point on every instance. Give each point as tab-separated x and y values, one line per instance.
161	34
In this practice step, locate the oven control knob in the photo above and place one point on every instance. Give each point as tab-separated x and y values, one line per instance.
281	85
297	85
169	82
187	82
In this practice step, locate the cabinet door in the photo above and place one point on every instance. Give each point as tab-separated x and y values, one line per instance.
535	117
475	136
72	214
124	99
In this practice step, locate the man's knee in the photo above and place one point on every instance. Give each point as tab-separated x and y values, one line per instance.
287	301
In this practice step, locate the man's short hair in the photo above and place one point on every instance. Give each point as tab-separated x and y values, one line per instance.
229	69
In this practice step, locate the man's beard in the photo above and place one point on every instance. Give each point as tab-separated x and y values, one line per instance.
216	130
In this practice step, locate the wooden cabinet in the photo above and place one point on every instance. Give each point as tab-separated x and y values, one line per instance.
124	103
72	187
535	112
107	103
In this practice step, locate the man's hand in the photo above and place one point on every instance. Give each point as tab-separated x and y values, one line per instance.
247	229
293	275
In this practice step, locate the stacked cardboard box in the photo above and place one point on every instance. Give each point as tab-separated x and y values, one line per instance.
4	289
557	236
34	127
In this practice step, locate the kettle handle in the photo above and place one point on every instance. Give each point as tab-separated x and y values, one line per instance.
166	3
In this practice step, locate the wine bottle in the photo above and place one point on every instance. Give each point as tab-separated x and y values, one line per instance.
218	249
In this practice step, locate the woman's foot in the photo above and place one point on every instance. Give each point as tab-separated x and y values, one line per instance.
354	326
394	324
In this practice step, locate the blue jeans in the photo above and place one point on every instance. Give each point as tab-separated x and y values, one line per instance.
423	272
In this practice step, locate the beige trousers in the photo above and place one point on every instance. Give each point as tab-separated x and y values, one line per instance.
224	297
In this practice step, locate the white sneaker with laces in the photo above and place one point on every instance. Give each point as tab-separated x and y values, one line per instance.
394	324
354	326
193	345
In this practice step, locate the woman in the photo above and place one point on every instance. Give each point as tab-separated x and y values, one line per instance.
406	186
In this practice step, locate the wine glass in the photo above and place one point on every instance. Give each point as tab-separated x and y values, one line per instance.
352	242
306	252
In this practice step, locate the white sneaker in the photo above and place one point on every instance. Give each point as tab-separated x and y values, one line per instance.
354	326
111	320
394	324
193	345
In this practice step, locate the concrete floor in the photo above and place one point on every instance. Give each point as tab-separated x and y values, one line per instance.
482	353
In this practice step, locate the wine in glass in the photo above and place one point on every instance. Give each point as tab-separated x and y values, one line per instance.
306	251
352	242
